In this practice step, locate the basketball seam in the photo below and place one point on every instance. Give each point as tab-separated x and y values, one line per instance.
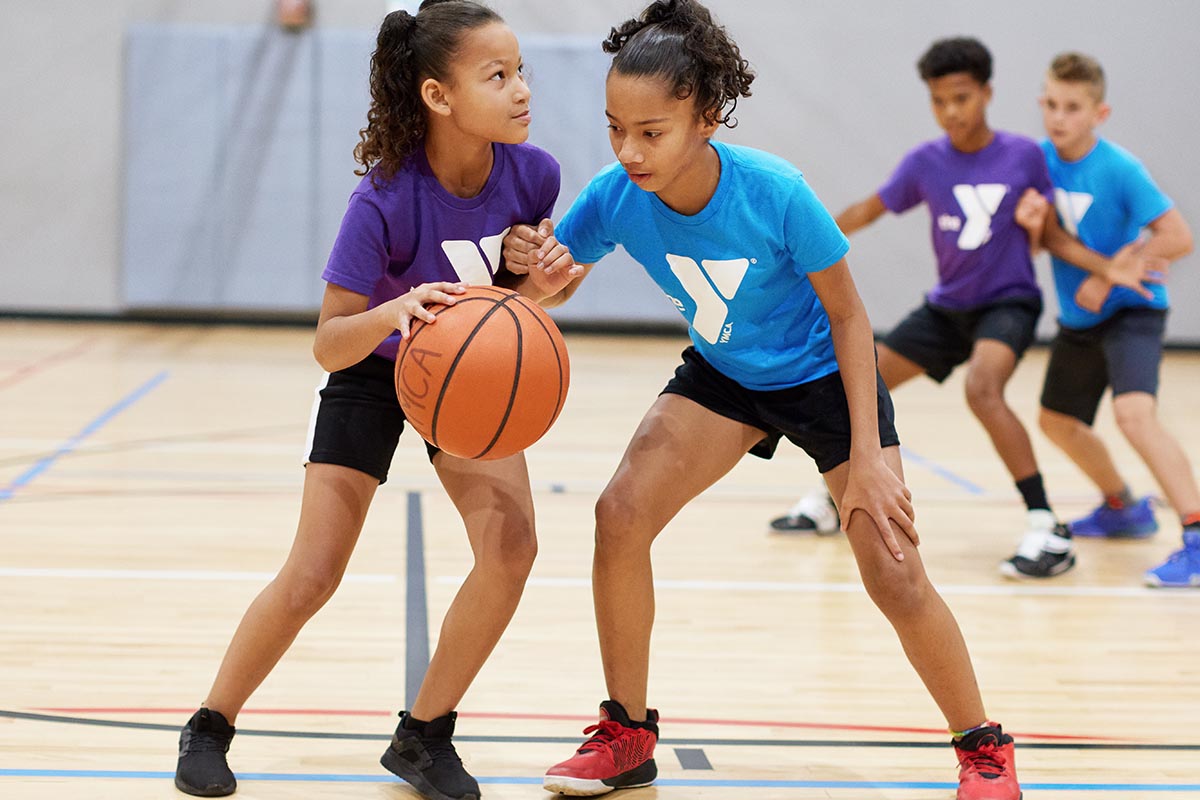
437	408
512	395
558	358
412	339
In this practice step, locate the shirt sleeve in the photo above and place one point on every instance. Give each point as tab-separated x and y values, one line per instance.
584	229
551	185
902	191
811	235
1144	201
1040	178
360	253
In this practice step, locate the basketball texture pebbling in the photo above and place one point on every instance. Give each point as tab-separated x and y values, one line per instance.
486	380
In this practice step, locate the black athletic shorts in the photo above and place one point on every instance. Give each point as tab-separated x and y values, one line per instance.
357	419
1124	351
939	339
813	416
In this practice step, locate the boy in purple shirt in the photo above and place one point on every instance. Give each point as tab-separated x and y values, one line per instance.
984	308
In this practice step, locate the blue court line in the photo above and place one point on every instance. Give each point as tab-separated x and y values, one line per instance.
505	780
941	472
416	613
43	464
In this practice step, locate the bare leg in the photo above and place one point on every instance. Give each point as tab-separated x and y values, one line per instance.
494	500
991	365
928	631
332	512
1137	417
894	368
1081	444
679	450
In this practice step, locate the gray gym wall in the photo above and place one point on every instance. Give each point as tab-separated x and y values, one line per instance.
837	94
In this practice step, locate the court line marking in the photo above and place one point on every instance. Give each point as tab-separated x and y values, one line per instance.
576	718
668	742
29	370
416	611
794	587
167	575
942	472
692	758
44	463
681	782
784	587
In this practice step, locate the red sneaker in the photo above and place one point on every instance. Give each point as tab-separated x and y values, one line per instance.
987	766
617	756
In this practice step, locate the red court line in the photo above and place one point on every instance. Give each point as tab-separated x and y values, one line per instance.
29	370
741	723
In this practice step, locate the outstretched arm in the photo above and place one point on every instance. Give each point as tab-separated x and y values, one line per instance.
872	486
861	214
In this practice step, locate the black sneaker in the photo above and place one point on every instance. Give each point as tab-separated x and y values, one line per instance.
202	769
1045	551
422	754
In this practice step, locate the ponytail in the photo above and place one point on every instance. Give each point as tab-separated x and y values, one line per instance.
408	51
679	42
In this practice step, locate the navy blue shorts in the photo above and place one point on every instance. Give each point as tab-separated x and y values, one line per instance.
939	339
1124	352
358	419
814	416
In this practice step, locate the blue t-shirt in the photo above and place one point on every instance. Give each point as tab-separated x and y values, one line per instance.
982	253
737	270
1105	199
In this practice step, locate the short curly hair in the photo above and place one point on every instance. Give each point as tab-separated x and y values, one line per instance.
959	54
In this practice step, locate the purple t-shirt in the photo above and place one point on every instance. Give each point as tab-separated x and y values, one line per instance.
410	230
982	253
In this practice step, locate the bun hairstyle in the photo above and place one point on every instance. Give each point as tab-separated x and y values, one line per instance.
678	41
408	50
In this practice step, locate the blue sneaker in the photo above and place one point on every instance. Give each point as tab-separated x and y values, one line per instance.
1132	522
1182	568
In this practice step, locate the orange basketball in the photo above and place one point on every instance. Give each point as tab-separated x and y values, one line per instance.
486	380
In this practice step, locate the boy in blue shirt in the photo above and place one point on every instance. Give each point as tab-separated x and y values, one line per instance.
1108	336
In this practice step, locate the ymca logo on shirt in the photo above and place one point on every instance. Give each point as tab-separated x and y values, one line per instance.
474	263
1071	207
979	204
710	284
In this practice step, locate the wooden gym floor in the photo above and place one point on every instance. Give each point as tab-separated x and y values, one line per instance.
150	483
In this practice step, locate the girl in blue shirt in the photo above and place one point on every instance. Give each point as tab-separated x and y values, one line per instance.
781	347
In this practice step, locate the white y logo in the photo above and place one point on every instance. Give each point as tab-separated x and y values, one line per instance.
703	286
979	203
1071	208
475	264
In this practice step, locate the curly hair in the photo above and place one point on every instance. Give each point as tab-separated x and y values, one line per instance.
960	54
678	41
409	50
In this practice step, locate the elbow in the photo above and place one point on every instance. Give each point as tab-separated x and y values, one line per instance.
323	356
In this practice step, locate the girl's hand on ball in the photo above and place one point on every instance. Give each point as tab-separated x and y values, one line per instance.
412	305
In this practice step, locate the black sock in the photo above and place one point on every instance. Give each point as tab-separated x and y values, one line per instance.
1034	492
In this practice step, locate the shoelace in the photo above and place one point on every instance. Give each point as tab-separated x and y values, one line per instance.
441	748
606	730
206	742
987	761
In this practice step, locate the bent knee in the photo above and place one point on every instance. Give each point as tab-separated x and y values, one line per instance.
305	591
898	591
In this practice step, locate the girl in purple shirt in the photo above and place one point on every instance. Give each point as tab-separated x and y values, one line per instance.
446	173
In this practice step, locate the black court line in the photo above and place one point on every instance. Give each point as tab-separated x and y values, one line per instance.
416	630
151	726
692	758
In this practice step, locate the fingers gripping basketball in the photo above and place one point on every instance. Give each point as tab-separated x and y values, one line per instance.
488	379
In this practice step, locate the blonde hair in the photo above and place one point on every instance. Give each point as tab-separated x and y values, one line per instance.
1079	68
